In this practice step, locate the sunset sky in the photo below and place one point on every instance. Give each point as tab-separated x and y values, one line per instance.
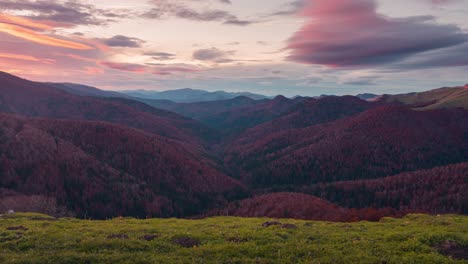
290	47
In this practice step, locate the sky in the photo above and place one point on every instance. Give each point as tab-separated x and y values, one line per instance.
289	47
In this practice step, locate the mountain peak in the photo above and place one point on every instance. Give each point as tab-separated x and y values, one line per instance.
280	98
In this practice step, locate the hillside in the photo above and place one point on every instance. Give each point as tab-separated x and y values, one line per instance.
309	112
413	239
231	116
376	143
301	206
437	190
448	97
34	99
86	153
101	170
285	205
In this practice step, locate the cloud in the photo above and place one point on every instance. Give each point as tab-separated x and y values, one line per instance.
130	67
24	22
361	81
152	68
173	69
290	8
213	54
344	33
183	9
69	13
31	35
442	2
24	57
162	56
449	57
123	41
237	22
309	81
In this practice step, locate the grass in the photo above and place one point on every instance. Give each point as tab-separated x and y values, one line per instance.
40	239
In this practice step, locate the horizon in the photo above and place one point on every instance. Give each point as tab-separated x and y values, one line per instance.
298	47
270	96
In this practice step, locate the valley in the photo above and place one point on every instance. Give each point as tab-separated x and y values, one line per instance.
94	154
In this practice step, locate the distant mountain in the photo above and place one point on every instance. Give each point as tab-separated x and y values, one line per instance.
367	96
235	120
190	95
201	110
230	116
447	97
35	99
84	90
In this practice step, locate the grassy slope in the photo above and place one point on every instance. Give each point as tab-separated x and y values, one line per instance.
229	240
438	98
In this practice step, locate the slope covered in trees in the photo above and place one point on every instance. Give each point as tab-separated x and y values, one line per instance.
307	113
376	143
106	156
299	206
438	190
100	170
34	99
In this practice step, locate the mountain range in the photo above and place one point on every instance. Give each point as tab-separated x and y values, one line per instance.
188	95
97	154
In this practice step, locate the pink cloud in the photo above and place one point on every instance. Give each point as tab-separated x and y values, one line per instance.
442	2
341	33
22	57
171	70
130	67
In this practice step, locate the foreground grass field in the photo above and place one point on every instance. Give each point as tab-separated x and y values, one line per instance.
34	238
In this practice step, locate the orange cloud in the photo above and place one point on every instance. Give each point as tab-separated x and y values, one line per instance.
24	22
32	24
30	35
24	57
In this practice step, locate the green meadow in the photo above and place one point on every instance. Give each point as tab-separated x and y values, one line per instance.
35	238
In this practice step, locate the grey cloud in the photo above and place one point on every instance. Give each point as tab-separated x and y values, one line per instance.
210	15
447	57
123	41
290	8
183	9
237	22
70	12
213	54
162	56
362	81
385	41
